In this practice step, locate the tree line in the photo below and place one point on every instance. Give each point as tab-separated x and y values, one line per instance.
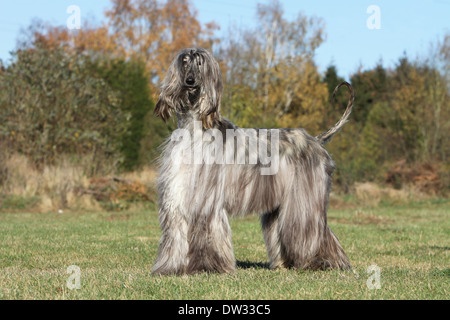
90	92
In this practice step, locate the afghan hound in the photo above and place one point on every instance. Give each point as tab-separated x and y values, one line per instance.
210	169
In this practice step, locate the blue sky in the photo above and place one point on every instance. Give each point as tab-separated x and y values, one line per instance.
406	25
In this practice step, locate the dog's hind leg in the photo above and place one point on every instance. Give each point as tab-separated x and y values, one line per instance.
271	232
299	234
306	240
331	254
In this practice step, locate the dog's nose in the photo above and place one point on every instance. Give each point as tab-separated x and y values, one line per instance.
190	81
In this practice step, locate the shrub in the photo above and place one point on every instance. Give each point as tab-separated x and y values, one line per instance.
50	105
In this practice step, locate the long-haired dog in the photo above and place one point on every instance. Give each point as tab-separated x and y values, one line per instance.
196	197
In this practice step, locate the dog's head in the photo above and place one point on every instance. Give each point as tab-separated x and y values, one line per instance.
193	83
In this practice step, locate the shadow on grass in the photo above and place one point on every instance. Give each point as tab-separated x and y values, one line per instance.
251	265
445	248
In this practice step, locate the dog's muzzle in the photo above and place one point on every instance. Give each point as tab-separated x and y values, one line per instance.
190	81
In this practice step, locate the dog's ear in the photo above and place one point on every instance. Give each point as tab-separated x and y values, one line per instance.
169	92
209	120
213	87
162	109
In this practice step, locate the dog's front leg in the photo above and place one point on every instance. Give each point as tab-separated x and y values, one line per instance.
173	246
210	247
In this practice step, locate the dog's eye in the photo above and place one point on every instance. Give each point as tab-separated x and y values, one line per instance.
185	62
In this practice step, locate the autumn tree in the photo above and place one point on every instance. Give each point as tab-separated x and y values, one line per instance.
154	30
90	39
270	73
136	32
151	31
399	114
435	108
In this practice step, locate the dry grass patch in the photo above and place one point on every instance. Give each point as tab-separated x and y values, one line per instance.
67	186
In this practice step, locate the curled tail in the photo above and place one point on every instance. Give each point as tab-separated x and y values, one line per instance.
325	137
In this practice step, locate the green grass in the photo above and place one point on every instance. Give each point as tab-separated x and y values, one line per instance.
18	203
115	252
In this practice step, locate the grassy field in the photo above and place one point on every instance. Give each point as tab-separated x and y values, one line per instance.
115	252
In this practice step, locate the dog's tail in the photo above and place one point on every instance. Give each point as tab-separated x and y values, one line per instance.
325	137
